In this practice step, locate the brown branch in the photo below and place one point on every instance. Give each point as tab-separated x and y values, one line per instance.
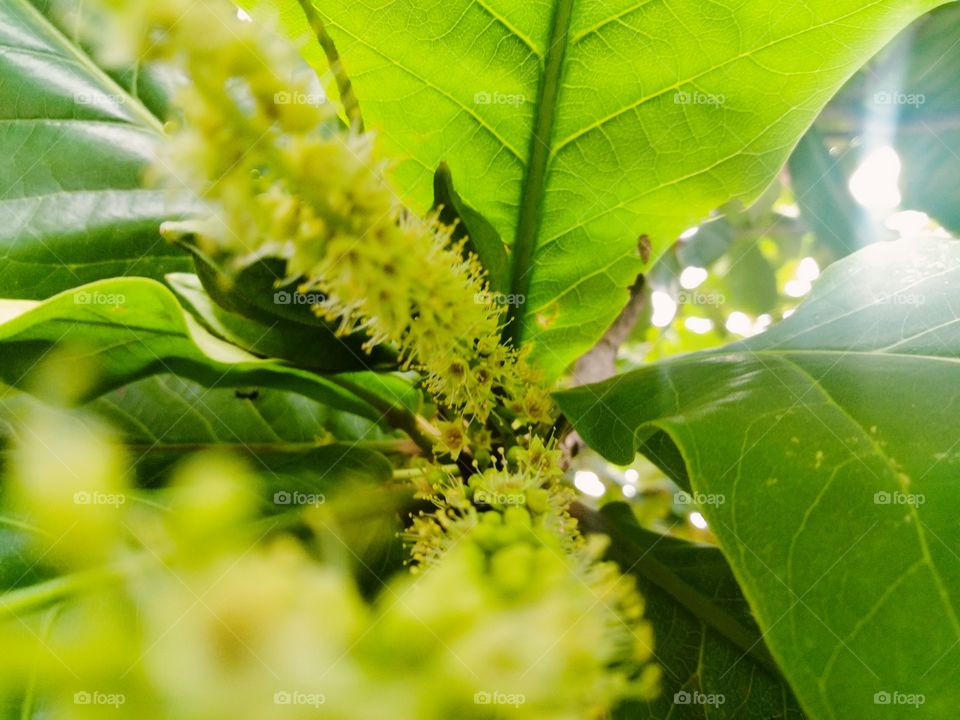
601	362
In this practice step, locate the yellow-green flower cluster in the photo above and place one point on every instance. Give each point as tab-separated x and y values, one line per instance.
501	558
282	179
526	485
195	610
512	526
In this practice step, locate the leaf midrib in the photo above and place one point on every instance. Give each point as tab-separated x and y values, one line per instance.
701	606
86	62
535	177
543	147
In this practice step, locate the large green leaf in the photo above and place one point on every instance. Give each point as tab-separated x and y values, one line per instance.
714	662
73	146
574	127
164	419
826	453
131	328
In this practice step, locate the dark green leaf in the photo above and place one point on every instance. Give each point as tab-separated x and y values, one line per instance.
127	329
311	347
73	153
821	191
714	662
479	236
824	452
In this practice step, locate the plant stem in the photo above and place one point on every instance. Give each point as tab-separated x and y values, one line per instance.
417	427
410	473
402	446
347	97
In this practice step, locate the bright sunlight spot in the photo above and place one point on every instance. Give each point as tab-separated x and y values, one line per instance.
875	183
740	324
808	270
629	491
909	223
588	483
797	288
698	325
692	277
790	211
664	308
243	15
697	520
631	476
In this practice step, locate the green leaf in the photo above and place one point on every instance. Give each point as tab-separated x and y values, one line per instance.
313	347
575	127
165	418
706	641
825	202
261	292
472	228
825	454
928	131
747	279
17	568
133	328
74	146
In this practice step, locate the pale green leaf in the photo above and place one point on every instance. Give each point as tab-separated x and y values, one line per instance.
575	127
